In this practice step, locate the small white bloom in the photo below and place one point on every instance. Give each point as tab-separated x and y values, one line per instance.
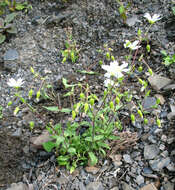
152	19
108	82
132	46
15	83
114	69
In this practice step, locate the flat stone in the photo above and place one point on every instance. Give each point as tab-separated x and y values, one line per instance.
95	186
169	87
158	82
131	21
171	115
159	164
140	179
37	142
17	133
18	186
149	187
148	102
11	55
151	151
125	186
92	169
127	158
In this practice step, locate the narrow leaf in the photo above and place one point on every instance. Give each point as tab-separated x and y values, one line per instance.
51	108
48	146
93	158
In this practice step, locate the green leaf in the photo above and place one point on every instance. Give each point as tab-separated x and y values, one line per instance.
48	146
59	140
63	160
164	53
1	23
89	139
72	151
98	137
2	38
19	6
9	18
66	110
113	137
173	9
93	158
51	108
104	145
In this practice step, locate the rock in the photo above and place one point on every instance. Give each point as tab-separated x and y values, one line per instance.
95	186
115	188
132	20
169	87
92	169
147	170
149	187
17	133
125	186
37	142
140	179
11	55
150	176
151	151
158	82
169	186
171	115
148	103
164	138
172	107
82	186
159	164
127	158
18	186
161	98
171	167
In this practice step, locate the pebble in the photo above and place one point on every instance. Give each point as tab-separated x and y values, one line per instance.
164	138
127	158
149	187
11	55
17	133
95	186
147	170
159	164
148	102
151	151
140	179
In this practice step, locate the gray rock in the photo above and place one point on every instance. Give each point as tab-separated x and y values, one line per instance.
140	179
151	151
127	158
150	186
148	102
171	167
164	138
158	82
172	107
95	186
115	188
169	87
18	186
171	115
150	176
125	186
159	164
131	21
169	186
82	186
11	55
147	170
17	133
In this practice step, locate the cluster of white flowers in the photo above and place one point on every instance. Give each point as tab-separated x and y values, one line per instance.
132	46
114	70
15	83
152	19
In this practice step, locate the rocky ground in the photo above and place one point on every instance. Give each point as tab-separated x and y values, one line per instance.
147	160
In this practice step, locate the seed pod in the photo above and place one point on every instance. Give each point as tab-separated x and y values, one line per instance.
64	59
31	124
141	81
111	105
32	70
158	101
73	114
112	58
117	100
145	121
140	69
148	48
150	71
100	62
16	111
139	32
108	55
140	113
10	103
82	96
158	123
38	95
132	117
92	101
86	107
30	93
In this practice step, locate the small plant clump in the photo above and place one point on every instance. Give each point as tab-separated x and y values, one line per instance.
6	26
167	59
92	119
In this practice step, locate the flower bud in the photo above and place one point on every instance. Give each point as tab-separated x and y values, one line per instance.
145	121
38	95
150	71
112	58
108	55
141	81
148	48
158	123
158	101
31	124
132	117
64	60
140	69
100	62
32	70
82	96
16	111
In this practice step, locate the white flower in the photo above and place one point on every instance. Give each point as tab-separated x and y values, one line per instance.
132	46
152	19
110	82
15	83
114	69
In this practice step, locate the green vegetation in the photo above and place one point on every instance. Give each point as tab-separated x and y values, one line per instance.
167	59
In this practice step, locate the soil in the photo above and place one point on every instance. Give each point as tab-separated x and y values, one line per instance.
42	33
